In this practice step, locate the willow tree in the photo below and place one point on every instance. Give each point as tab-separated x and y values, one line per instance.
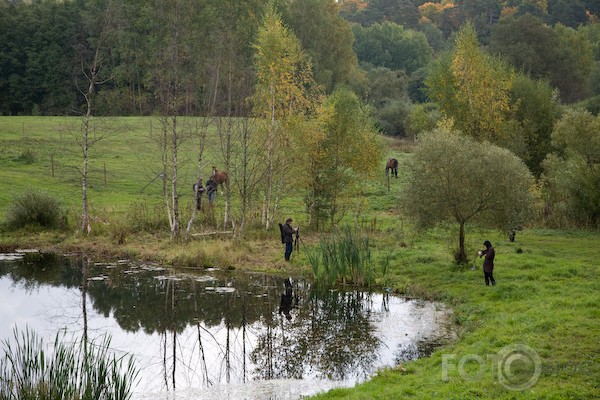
473	88
284	83
453	178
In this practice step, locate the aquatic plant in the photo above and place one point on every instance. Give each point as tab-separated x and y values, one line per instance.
344	257
78	369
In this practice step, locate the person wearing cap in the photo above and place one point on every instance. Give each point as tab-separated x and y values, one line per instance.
488	262
288	238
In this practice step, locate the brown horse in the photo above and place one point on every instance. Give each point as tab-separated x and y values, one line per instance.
392	164
220	177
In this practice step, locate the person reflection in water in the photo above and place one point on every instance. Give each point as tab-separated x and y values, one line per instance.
288	301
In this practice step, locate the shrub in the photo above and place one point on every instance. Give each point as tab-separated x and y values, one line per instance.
35	208
26	157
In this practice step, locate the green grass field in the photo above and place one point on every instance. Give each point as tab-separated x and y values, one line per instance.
547	297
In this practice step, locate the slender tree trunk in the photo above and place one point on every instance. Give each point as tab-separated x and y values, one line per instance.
271	171
174	196
462	255
89	98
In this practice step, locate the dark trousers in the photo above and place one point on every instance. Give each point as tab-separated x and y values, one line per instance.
288	250
489	278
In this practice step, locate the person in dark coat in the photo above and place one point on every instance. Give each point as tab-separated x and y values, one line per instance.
288	238
199	189
211	190
488	262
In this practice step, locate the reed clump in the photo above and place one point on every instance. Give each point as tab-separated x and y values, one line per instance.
344	258
78	369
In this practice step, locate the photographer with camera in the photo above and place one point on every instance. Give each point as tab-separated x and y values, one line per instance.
287	237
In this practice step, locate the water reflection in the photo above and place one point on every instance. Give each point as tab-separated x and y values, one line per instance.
192	331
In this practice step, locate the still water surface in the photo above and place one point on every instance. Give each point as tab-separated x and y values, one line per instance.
217	334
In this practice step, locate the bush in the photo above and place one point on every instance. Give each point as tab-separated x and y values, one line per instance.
26	157
35	208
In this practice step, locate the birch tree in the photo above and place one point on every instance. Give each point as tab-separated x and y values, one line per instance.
174	81
283	89
473	88
93	52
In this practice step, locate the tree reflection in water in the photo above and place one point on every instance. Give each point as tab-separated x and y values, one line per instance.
329	338
205	328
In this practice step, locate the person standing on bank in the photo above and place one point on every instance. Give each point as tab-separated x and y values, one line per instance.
488	262
211	190
288	237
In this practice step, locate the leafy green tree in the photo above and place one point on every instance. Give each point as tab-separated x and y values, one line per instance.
458	180
526	42
387	95
326	38
483	14
337	153
572	177
435	37
422	118
567	12
536	109
559	54
574	64
390	45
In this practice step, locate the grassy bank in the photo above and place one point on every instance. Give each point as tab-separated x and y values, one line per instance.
547	297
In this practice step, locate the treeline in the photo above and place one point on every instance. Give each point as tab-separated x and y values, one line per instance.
45	47
382	49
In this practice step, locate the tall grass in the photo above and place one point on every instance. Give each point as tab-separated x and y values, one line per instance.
69	371
344	258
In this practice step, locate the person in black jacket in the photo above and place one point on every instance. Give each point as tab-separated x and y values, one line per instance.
288	238
488	262
211	190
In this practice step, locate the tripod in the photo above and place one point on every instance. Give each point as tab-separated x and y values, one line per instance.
297	241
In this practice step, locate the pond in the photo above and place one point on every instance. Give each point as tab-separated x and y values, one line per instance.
218	334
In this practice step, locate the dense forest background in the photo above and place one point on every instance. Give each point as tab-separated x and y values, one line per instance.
521	74
382	49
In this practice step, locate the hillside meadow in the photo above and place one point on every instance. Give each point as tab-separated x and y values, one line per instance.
546	302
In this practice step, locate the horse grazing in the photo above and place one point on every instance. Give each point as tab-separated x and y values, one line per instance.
220	177
392	164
